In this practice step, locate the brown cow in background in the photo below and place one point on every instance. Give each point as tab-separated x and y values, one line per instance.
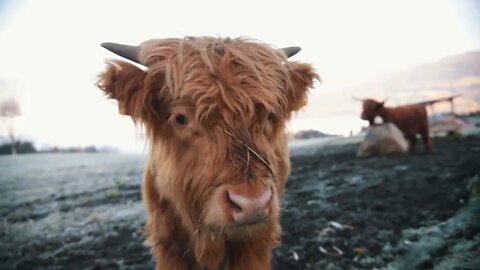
410	119
214	111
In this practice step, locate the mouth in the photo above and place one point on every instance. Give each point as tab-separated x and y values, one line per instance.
250	223
241	231
240	228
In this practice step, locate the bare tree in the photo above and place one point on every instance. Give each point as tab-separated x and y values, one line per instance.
9	109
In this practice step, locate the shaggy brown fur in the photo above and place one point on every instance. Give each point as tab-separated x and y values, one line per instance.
410	119
214	111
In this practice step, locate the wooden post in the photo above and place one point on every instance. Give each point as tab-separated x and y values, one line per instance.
452	107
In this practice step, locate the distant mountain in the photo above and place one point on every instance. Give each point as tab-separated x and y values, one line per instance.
456	74
449	69
458	71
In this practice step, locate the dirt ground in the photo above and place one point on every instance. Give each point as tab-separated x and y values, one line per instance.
339	212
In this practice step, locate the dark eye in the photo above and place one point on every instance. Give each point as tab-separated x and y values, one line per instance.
271	117
181	119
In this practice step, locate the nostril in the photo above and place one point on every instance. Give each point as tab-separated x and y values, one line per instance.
241	202
248	208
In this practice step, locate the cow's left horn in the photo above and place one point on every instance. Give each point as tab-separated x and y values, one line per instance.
290	51
126	51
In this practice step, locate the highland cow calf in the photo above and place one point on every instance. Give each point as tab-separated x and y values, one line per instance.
214	111
410	119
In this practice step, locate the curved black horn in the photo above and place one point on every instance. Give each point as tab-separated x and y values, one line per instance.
126	51
290	51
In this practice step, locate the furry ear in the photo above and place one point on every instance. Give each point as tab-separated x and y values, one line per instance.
125	83
302	77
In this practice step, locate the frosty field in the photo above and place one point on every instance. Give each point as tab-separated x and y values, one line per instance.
84	211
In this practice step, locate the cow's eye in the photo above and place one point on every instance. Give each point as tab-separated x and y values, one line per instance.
181	119
271	117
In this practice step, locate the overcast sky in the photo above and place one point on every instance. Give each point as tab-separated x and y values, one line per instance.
50	53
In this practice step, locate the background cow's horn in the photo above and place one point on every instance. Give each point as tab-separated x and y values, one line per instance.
357	99
126	51
291	51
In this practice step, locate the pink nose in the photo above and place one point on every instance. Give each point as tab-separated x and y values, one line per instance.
248	209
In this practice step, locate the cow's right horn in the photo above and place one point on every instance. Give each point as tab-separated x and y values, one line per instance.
291	51
127	51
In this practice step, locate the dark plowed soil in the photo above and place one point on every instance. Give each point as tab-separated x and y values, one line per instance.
339	212
377	199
